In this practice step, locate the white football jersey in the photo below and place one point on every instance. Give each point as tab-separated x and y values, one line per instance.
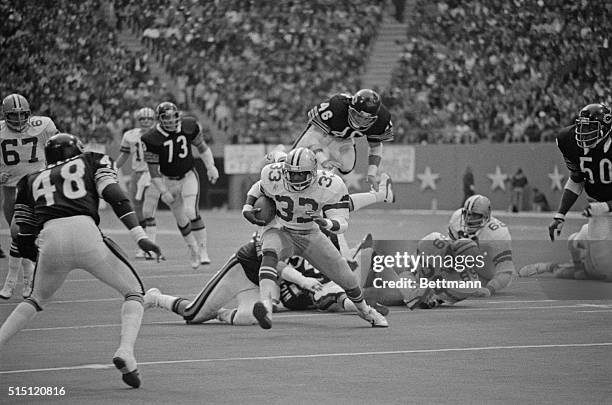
494	242
131	143
24	152
327	196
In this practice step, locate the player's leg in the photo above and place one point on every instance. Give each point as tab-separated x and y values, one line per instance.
322	255
598	251
149	208
51	271
14	260
182	221
136	193
108	263
276	245
191	197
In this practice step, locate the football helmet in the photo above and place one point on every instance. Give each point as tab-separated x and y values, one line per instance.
168	115
475	214
300	169
16	111
593	124
145	117
62	146
363	110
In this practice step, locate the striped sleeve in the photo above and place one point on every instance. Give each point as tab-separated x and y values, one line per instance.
105	173
25	216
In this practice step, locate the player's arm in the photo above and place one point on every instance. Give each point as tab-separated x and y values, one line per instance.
374	159
248	211
26	221
572	190
152	160
504	268
111	192
206	155
336	210
124	152
288	273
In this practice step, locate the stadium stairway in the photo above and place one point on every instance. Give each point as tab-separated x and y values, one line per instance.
131	42
385	52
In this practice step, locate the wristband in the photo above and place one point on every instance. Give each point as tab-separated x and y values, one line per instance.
559	216
138	233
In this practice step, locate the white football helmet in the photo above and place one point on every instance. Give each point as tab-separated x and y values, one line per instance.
145	117
475	214
16	111
300	169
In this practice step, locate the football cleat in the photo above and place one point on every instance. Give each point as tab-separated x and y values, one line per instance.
385	188
204	259
194	253
140	254
260	312
536	268
7	290
376	319
126	363
150	298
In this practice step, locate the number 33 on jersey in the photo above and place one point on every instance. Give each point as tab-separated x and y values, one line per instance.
69	187
328	192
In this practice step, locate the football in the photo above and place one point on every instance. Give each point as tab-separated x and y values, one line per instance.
268	209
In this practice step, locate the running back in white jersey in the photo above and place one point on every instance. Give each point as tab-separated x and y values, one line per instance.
131	143
328	192
24	152
494	242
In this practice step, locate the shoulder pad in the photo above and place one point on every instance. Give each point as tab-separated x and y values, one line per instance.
189	125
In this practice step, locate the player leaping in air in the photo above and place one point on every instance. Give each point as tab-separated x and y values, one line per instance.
302	196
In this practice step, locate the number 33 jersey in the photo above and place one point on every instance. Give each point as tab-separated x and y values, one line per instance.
64	189
24	152
327	196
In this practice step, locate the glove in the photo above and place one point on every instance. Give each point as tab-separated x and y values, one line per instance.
311	284
4	177
482	293
213	174
373	181
167	198
26	243
250	216
319	220
149	246
596	209
556	225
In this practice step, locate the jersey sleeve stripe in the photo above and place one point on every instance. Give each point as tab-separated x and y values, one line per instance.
125	149
317	121
502	257
336	206
151	157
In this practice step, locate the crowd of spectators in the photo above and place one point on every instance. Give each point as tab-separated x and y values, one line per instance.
499	70
64	57
257	66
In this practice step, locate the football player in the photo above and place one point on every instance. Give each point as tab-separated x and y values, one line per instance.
586	148
474	221
439	261
331	131
590	260
143	196
171	165
22	137
302	195
59	206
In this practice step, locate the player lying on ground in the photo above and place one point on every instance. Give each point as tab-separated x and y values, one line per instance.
591	260
301	287
475	221
59	206
302	195
391	285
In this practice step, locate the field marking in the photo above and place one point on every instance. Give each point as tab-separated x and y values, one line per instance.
301	315
597	310
316	356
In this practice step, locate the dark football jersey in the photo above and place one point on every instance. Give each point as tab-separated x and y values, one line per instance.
593	165
65	189
172	150
332	117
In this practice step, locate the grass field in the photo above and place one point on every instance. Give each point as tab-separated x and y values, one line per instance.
530	344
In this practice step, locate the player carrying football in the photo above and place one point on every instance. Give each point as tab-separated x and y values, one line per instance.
475	221
171	165
143	196
22	137
58	205
302	194
586	148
